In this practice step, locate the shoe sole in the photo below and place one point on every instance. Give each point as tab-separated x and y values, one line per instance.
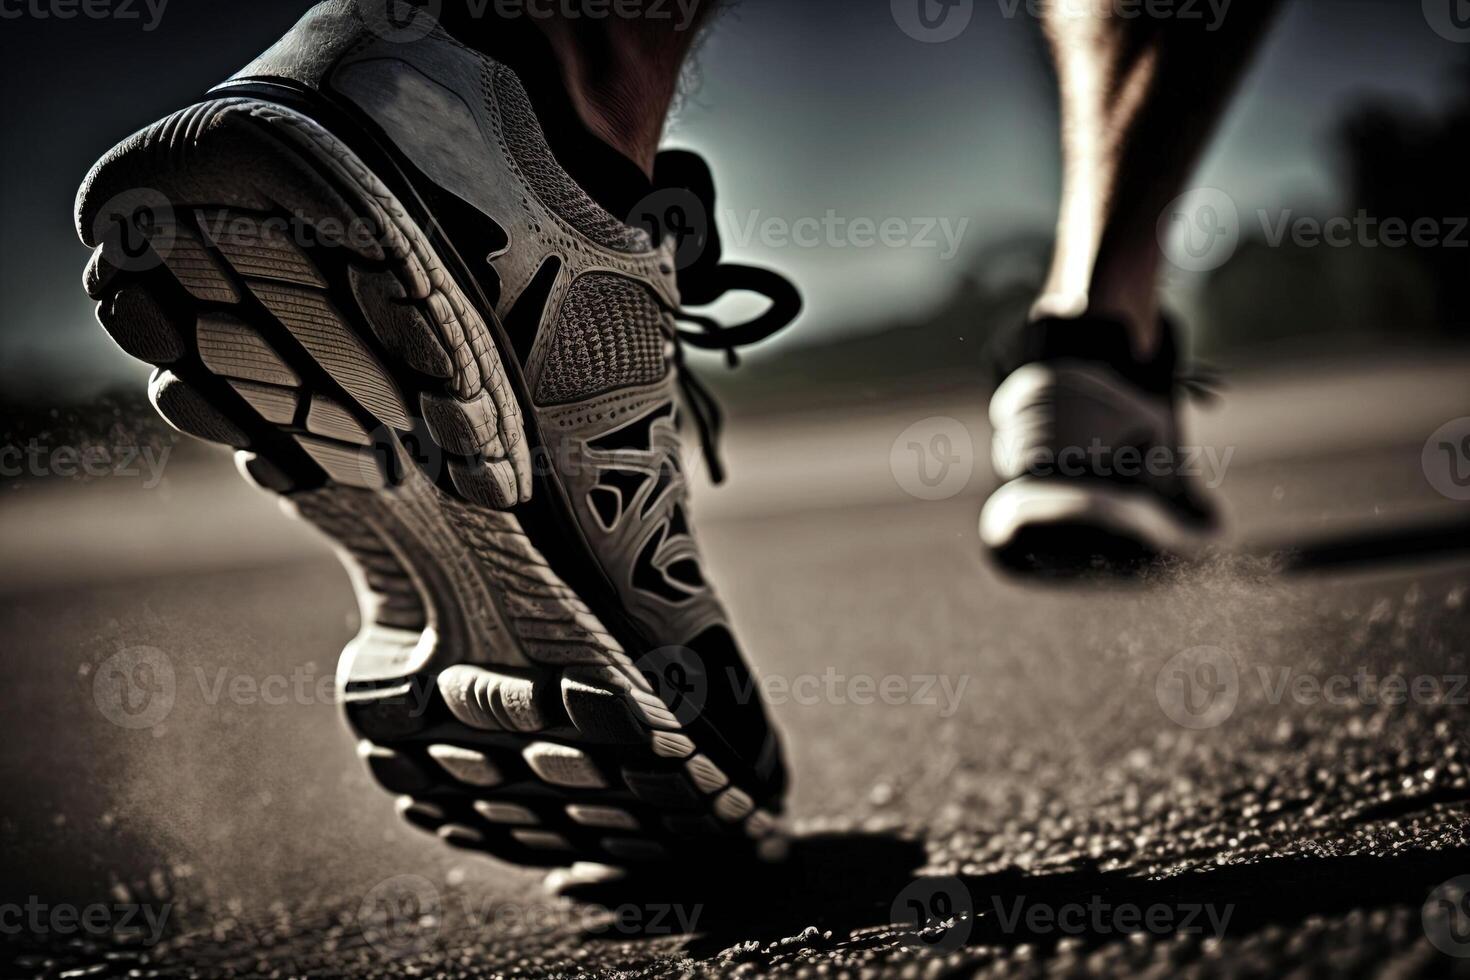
1049	526
295	311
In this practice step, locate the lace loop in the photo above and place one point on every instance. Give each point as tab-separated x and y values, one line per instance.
705	280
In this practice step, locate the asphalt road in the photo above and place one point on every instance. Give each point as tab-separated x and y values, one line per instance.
1252	766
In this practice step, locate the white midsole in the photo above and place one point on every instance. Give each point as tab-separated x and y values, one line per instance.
1031	502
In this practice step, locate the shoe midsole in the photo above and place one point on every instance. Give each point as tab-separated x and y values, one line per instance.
1030	502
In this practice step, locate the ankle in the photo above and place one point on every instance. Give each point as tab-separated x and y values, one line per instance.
619	96
613	77
1116	279
1138	314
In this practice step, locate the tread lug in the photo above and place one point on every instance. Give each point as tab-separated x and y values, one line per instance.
191	413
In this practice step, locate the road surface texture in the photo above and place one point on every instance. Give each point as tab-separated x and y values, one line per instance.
1252	766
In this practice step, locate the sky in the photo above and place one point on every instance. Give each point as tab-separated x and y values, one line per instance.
865	163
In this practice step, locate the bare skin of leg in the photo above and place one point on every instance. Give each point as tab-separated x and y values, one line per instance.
1140	97
620	72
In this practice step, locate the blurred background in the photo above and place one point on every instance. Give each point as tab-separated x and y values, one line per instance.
1342	360
818	107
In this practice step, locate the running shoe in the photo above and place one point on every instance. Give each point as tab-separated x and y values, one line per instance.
1086	444
358	263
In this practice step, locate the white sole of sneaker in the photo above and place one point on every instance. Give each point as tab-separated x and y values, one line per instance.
1138	524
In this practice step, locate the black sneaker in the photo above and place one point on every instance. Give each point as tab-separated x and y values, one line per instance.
1086	440
360	264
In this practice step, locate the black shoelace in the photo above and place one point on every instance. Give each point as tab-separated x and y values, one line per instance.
702	279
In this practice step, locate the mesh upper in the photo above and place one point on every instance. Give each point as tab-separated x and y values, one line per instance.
552	184
607	337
